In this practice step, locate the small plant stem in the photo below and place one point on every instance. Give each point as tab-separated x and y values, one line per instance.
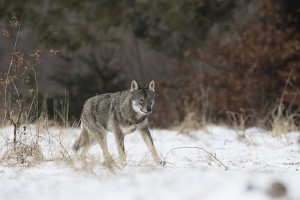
9	68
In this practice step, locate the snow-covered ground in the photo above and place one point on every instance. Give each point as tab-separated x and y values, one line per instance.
259	166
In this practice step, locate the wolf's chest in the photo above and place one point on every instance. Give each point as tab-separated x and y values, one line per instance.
128	129
125	129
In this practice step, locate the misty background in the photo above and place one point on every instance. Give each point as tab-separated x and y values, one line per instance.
211	59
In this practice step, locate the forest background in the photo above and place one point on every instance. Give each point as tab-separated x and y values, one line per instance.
233	61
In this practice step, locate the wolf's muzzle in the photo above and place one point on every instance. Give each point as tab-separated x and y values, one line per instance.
149	109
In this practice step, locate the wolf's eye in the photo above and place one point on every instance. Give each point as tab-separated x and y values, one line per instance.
141	100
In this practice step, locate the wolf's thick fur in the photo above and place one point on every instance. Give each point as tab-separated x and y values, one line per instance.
120	113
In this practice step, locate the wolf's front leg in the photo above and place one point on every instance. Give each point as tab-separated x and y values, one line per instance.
146	135
119	138
102	140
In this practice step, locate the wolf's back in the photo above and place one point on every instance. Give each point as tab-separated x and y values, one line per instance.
97	110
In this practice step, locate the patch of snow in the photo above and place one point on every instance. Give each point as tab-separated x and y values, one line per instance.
254	157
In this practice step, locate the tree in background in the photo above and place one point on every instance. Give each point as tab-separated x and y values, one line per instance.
254	70
177	26
170	26
99	78
78	28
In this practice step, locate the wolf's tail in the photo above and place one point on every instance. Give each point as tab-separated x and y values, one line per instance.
82	140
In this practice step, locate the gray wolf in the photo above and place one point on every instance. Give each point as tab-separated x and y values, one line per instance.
121	113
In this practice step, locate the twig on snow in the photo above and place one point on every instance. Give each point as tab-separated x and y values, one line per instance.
176	148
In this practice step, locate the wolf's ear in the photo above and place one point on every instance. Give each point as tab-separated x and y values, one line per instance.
134	85
151	85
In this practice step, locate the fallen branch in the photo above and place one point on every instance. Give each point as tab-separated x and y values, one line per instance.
176	148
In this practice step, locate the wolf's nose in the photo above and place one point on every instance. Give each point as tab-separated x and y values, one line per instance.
148	109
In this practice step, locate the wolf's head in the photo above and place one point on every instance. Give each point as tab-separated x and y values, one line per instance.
142	98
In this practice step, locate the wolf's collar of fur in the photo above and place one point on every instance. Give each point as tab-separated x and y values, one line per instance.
133	122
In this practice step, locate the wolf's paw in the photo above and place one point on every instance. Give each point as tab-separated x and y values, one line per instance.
162	163
110	163
122	164
122	160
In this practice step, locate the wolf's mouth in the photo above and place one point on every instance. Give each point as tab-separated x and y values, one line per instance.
146	113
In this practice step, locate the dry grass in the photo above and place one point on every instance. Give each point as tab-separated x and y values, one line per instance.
191	122
33	146
24	155
283	123
38	144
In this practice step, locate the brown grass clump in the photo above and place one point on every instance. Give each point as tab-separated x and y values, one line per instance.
25	155
191	122
283	123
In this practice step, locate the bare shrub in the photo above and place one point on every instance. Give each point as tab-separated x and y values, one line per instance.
19	89
20	101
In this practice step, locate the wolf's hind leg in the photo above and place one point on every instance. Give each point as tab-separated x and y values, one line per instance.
82	142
